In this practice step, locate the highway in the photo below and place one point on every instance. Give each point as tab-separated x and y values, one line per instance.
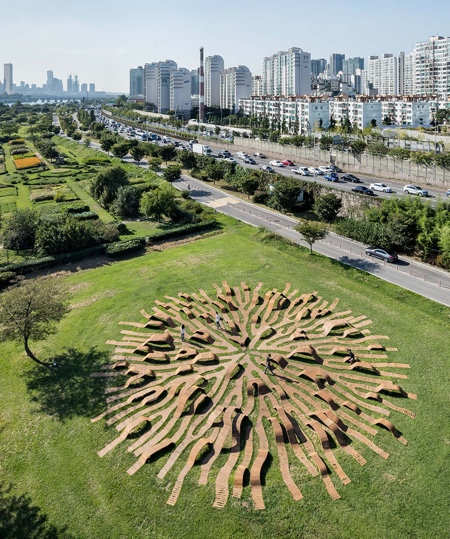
423	279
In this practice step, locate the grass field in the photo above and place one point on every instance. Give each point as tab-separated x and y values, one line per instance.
48	444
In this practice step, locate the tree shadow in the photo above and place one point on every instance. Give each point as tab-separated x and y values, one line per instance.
67	389
19	518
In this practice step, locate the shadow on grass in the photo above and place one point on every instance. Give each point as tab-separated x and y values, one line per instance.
67	390
19	518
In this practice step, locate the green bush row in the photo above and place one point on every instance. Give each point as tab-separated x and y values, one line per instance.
75	208
85	215
6	277
181	230
35	264
124	247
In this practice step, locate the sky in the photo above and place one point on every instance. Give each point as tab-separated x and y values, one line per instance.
100	40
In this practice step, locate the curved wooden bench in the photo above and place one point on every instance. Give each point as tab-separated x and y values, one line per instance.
390	426
186	352
202	336
206	357
307	350
255	479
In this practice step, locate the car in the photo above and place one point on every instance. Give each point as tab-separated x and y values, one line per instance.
332	177
381	253
266	168
415	190
350	178
220	154
335	168
276	163
314	171
259	155
301	170
230	159
381	187
448	193
325	170
288	163
363	190
249	161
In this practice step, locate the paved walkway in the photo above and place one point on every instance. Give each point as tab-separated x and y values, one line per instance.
432	283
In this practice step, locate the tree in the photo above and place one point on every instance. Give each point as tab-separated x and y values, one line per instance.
358	146
172	173
327	207
311	232
20	230
107	142
31	310
87	142
167	152
377	148
137	153
248	184
105	185
373	123
126	203
120	149
285	193
187	159
159	202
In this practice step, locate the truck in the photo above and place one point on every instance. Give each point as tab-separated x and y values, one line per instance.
202	149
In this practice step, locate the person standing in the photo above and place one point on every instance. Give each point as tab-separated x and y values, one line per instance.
269	364
182	332
217	320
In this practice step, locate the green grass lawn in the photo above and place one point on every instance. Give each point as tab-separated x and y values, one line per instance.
49	447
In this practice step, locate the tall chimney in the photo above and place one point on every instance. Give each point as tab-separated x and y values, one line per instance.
201	83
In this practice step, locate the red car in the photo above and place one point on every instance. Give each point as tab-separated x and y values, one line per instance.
288	163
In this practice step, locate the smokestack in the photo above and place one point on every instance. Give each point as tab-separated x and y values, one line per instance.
201	83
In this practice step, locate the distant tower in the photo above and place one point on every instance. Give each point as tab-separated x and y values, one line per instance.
70	84
8	79
76	85
201	83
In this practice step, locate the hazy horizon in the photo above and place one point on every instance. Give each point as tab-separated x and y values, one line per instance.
101	43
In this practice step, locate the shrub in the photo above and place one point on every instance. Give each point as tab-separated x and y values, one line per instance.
121	248
76	208
39	196
17	142
27	162
86	215
6	277
19	151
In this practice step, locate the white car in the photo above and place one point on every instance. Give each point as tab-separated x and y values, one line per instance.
381	187
301	170
276	164
314	171
415	190
325	170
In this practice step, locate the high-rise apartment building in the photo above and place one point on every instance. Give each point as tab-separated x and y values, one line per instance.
84	88
382	74
194	82
287	73
180	92
318	66
350	65
8	79
70	83
137	82
257	85
76	85
214	65
157	84
235	84
92	88
432	67
336	63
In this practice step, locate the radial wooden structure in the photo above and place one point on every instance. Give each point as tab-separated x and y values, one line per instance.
209	396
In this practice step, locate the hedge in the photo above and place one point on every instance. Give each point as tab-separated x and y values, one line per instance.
120	248
35	264
85	215
75	208
181	230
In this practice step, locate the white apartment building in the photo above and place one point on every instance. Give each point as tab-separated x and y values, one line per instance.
407	111
287	73
213	67
296	115
257	85
432	67
235	84
180	92
8	79
383	74
157	84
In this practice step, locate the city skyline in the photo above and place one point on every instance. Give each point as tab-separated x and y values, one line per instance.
101	45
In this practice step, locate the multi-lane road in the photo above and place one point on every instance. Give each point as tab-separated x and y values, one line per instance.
425	280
